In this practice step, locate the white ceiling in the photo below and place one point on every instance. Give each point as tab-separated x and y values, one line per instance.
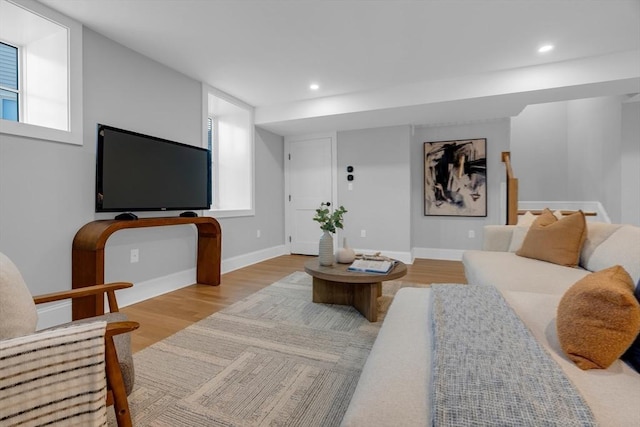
367	56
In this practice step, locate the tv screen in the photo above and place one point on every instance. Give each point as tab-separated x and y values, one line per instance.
136	172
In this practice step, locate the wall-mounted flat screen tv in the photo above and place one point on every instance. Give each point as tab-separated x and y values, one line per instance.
136	172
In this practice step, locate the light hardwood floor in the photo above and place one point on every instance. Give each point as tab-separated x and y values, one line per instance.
166	314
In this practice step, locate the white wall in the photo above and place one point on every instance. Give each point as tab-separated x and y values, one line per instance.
46	71
379	202
446	237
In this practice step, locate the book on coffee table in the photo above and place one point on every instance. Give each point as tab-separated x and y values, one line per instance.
371	266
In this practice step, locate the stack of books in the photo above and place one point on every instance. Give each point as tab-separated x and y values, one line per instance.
372	266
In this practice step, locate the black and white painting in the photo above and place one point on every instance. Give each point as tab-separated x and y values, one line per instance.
455	178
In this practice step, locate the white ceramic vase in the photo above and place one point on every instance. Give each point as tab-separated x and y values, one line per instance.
325	251
345	255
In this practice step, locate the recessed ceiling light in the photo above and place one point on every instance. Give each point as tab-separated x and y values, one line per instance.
545	48
314	86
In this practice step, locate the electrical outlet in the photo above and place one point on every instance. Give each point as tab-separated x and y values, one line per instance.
472	234
258	234
135	256
363	233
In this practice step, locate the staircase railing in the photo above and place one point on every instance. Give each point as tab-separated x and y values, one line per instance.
512	198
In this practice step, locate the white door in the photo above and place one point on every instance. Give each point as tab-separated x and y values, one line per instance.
309	183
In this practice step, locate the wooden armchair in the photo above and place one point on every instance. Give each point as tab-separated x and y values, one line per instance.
18	317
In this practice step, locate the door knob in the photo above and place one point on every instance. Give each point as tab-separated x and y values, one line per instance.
328	203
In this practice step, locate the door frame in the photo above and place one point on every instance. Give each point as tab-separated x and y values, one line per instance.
288	140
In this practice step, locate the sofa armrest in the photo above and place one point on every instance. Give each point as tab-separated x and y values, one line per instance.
497	237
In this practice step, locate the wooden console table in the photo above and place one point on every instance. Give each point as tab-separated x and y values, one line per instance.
87	255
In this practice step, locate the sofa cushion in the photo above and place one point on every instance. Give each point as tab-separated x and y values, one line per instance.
622	247
597	232
555	241
497	237
632	355
507	271
598	318
517	238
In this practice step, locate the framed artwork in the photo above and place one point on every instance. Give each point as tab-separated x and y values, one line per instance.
455	178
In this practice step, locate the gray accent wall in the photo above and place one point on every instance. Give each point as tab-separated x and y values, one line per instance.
239	235
47	188
630	163
539	143
580	150
452	233
379	202
127	90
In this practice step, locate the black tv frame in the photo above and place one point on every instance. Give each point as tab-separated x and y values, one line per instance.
100	170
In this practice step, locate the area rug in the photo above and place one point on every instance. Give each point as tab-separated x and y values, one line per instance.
273	359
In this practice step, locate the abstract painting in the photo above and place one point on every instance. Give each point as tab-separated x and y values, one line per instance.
455	178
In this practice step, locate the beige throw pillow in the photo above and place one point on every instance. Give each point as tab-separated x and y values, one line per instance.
598	318
553	240
18	316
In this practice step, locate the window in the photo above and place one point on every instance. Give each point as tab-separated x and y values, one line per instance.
9	90
229	136
40	72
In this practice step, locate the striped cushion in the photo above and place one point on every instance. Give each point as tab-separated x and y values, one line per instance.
54	377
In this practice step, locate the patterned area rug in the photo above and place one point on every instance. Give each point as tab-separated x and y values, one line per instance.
272	359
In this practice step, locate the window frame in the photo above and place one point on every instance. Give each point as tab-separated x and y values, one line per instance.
216	212
19	67
74	133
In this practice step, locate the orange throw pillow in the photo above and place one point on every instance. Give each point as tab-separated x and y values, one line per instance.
553	240
598	318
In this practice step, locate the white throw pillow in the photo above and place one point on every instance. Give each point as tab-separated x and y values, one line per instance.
526	219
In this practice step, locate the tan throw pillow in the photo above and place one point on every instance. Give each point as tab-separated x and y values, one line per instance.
553	240
598	318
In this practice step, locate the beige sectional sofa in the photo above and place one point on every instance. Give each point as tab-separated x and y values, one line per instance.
395	386
498	265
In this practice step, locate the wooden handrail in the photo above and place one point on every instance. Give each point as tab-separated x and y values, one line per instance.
512	190
563	212
506	159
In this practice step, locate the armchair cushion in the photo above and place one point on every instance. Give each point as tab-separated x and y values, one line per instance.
19	316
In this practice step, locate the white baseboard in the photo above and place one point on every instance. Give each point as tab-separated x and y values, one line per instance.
59	313
53	314
245	260
155	287
435	253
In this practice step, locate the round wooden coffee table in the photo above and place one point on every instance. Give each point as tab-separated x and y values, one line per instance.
335	285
